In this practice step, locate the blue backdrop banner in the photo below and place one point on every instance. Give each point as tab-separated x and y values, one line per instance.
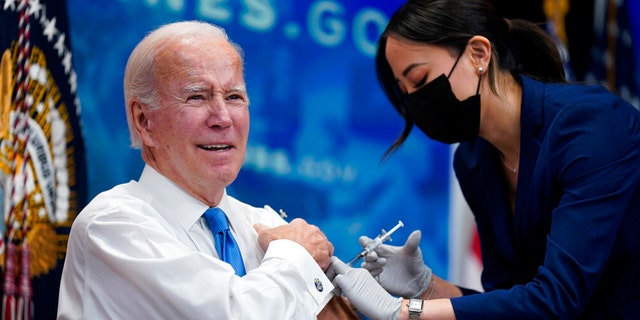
319	122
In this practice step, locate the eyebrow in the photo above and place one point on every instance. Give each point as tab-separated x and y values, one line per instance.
240	88
201	88
192	89
410	67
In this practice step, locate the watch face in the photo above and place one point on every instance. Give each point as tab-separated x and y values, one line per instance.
415	304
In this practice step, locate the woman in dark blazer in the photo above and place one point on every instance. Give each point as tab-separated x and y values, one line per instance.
550	170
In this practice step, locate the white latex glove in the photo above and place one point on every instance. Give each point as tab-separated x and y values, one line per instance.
363	291
399	269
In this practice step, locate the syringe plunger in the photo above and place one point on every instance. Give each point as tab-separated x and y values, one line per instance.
378	240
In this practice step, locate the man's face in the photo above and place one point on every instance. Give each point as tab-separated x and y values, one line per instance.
198	136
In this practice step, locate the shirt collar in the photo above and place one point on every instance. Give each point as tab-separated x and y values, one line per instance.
173	203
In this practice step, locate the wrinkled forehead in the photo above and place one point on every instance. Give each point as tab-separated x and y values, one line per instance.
188	64
195	52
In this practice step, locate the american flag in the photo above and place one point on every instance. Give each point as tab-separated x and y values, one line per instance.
615	55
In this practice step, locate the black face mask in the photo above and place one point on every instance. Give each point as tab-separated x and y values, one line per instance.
440	115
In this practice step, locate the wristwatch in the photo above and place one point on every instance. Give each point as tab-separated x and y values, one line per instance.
415	308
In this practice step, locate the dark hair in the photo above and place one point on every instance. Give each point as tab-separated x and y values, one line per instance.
518	46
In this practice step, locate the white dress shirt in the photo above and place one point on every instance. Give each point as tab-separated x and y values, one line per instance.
143	251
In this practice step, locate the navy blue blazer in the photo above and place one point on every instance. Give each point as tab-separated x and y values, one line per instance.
572	248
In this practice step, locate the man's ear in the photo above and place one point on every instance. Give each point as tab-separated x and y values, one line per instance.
141	121
480	51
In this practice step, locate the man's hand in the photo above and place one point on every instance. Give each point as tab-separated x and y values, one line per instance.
399	269
298	230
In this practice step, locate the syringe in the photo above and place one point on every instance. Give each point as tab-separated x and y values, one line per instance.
382	237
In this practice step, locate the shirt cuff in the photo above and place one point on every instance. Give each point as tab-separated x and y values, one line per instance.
316	282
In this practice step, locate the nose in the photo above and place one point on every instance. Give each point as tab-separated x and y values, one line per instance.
219	114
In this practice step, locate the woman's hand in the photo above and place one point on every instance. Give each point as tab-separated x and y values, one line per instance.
399	269
363	291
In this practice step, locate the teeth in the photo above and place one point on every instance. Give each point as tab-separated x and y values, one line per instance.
215	146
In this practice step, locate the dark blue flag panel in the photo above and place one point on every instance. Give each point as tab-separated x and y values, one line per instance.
42	166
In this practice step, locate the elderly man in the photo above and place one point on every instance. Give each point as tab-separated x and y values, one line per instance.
146	249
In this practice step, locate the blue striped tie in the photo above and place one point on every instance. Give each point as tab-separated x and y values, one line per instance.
226	245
